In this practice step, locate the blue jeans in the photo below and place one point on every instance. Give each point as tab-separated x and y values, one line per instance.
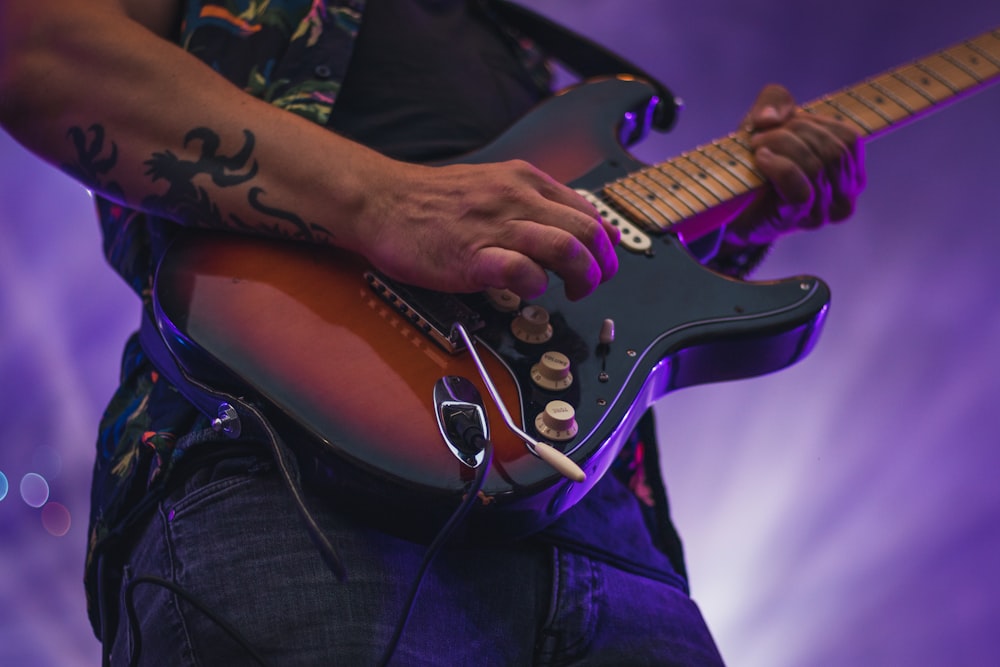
230	536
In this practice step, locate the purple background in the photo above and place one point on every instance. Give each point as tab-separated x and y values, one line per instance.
844	511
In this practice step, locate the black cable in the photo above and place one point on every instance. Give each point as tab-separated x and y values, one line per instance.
474	438
133	620
471	434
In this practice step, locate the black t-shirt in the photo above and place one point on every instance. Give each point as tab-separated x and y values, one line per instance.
430	79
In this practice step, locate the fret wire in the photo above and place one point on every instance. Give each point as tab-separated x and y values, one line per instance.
711	169
651	213
699	178
899	101
744	157
960	66
625	205
671	189
874	105
838	114
926	69
983	52
915	99
729	163
917	85
627	200
739	141
839	103
655	198
684	191
975	60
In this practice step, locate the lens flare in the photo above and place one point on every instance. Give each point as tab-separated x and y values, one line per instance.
34	489
56	519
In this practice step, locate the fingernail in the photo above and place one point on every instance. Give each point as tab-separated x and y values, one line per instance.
769	114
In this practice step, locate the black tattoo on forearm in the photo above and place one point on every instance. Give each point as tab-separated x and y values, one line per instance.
185	201
94	161
192	205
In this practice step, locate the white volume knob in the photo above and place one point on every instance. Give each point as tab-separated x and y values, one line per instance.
557	422
552	371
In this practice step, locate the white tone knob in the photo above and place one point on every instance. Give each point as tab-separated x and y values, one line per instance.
503	299
532	325
552	371
557	422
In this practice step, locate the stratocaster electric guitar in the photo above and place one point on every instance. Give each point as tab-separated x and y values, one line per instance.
371	371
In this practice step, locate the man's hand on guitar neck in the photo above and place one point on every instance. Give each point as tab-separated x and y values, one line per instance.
815	166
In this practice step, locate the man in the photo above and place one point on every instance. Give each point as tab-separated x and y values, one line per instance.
232	131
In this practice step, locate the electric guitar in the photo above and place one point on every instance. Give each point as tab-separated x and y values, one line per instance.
370	372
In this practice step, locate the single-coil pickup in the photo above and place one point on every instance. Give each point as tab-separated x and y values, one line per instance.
633	239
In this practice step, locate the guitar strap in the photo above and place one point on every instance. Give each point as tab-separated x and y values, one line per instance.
580	54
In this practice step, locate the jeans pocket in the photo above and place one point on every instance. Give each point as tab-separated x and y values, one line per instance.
215	480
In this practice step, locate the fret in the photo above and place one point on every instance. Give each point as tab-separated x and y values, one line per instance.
987	46
973	60
703	177
722	175
859	113
685	188
739	140
631	204
826	108
746	176
734	147
669	190
902	92
891	110
935	91
886	119
877	85
657	197
946	70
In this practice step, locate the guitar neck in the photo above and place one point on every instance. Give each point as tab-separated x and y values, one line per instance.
674	195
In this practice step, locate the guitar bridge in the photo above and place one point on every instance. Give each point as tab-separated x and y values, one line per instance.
433	313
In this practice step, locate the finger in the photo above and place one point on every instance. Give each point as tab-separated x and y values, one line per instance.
566	240
577	262
501	268
791	184
599	239
840	151
554	249
774	105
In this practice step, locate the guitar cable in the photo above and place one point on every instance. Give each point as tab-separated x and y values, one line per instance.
474	439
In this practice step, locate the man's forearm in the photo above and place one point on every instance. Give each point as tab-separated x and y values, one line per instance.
137	119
